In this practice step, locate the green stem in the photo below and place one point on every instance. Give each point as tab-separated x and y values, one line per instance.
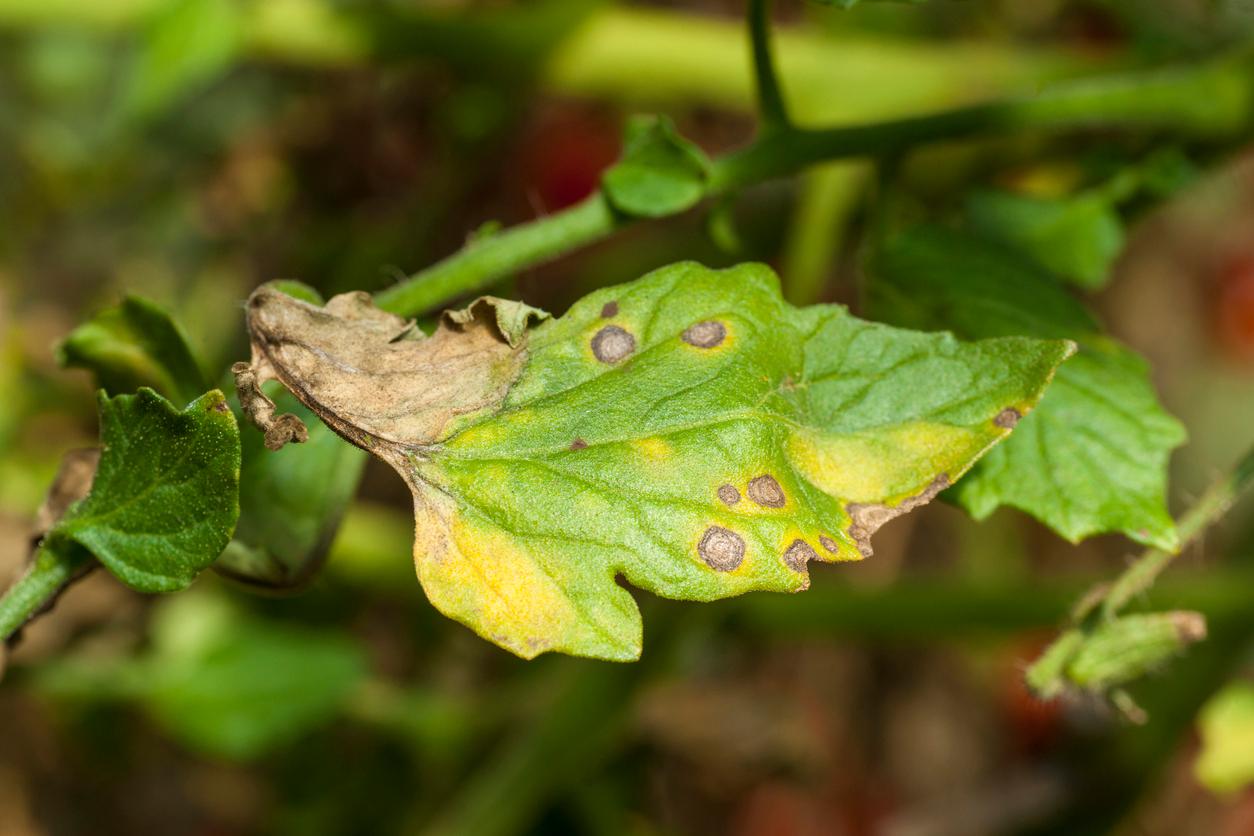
1207	99
483	262
47	575
1140	576
771	105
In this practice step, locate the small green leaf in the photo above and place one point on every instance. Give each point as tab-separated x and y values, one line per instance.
1077	238
661	173
1226	763
166	492
689	432
291	502
132	345
1093	457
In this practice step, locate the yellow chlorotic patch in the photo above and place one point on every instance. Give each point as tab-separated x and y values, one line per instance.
477	575
865	467
653	449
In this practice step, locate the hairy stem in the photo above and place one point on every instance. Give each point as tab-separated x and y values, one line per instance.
1140	576
49	573
771	107
1209	98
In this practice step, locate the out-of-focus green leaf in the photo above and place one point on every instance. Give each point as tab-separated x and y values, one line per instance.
849	4
1093	457
185	44
132	345
1226	723
690	432
660	173
219	681
1077	238
291	502
166	492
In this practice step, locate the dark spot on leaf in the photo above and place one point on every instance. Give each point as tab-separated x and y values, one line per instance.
220	406
611	344
729	495
798	554
721	549
1007	418
578	444
866	518
705	334
829	544
765	491
609	310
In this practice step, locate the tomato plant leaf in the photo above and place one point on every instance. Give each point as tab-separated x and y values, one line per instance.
1093	457
689	432
135	344
1226	762
291	503
1077	238
165	496
660	173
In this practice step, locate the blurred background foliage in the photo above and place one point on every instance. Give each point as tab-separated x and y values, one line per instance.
185	151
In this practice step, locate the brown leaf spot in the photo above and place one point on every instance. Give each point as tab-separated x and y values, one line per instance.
1008	418
765	491
609	310
220	406
721	549
612	344
729	495
706	334
578	444
829	544
866	518
798	554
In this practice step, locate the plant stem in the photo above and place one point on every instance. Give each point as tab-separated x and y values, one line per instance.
1218	498
48	574
1211	98
771	107
482	262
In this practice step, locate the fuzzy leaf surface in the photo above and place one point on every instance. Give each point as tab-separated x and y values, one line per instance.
1093	457
165	496
690	433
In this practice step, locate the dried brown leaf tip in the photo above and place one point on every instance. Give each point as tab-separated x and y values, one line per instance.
866	518
372	376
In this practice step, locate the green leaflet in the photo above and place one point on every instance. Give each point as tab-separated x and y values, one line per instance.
689	432
1093	458
1077	238
661	173
165	495
132	345
1226	763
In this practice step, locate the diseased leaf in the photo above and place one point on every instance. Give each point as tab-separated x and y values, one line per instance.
1077	238
166	491
1093	457
689	432
1226	763
132	345
661	173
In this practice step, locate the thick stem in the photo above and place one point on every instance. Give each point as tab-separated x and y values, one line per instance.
1141	575
1212	98
48	574
771	107
486	261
